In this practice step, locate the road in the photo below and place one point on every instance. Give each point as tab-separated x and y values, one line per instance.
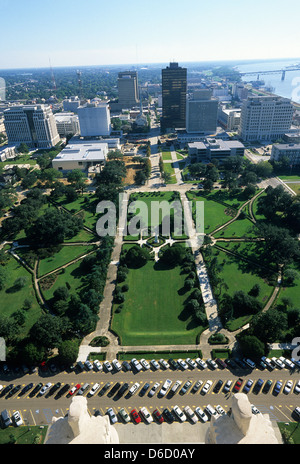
40	410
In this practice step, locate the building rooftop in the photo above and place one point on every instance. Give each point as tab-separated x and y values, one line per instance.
84	151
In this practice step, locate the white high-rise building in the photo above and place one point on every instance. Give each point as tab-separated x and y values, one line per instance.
265	118
31	124
94	119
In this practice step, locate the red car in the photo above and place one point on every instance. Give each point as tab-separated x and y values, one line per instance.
158	416
238	385
135	416
74	389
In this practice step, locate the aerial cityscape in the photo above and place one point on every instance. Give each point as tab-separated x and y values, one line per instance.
149	228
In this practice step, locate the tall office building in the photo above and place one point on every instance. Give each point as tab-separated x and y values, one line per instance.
201	113
174	87
128	89
94	119
31	124
265	118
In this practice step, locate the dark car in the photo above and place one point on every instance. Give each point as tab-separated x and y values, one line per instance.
230	363
185	387
122	390
221	363
126	366
218	386
267	386
54	389
240	363
196	386
158	416
174	364
104	389
14	390
257	386
35	390
248	386
144	389
26	389
277	387
168	416
7	389
114	389
63	390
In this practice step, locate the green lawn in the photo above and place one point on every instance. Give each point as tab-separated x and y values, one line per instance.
237	229
153	311
64	256
295	187
166	156
12	300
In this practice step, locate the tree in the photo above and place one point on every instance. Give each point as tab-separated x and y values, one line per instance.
173	256
137	256
68	351
75	176
251	346
268	326
48	330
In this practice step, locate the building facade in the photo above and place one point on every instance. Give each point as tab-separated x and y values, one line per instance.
229	118
94	119
174	91
214	149
67	124
287	150
31	124
201	113
83	156
265	118
128	89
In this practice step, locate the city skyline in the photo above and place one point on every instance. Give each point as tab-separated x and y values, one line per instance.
69	34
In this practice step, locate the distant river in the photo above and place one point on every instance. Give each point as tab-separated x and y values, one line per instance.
289	88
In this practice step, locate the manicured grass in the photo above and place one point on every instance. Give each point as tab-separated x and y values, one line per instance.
291	430
293	291
295	187
166	156
238	228
12	300
64	256
23	435
153	311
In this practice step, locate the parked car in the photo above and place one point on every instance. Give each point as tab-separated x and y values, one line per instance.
211	411
54	388
190	414
124	415
16	417
6	420
82	389
257	387
63	390
185	387
248	385
288	387
146	415
134	389
116	365
144	389
164	364
35	390
112	416
179	413
201	414
94	389
237	385
107	366
135	416
88	365
268	362
158	416
267	386
277	387
297	387
25	389
218	386
153	389
201	363
154	364
45	388
175	387
288	363
182	364
168	416
254	409
191	363
14	390
212	363
220	410
277	362
196	386
104	389
98	365
221	363
114	390
227	386
296	412
206	387
165	387
136	365
126	366
174	364
145	364
79	366
122	390
249	363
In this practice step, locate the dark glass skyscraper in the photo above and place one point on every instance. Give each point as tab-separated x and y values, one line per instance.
174	86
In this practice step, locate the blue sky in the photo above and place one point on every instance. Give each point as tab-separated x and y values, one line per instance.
98	32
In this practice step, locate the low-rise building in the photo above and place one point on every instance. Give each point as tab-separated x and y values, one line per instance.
67	124
81	156
287	150
215	149
229	118
8	152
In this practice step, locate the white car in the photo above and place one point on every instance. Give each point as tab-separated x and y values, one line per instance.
146	415
190	414
182	364
134	388
154	364
254	409
88	365
1	387
297	387
145	364
112	416
165	387
220	410
201	363
108	366
180	414
17	418
288	387
212	363
227	386
98	365
206	387
153	389
268	362
191	363
211	411
175	386
136	365
278	362
164	364
288	363
94	389
116	365
201	414
45	388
